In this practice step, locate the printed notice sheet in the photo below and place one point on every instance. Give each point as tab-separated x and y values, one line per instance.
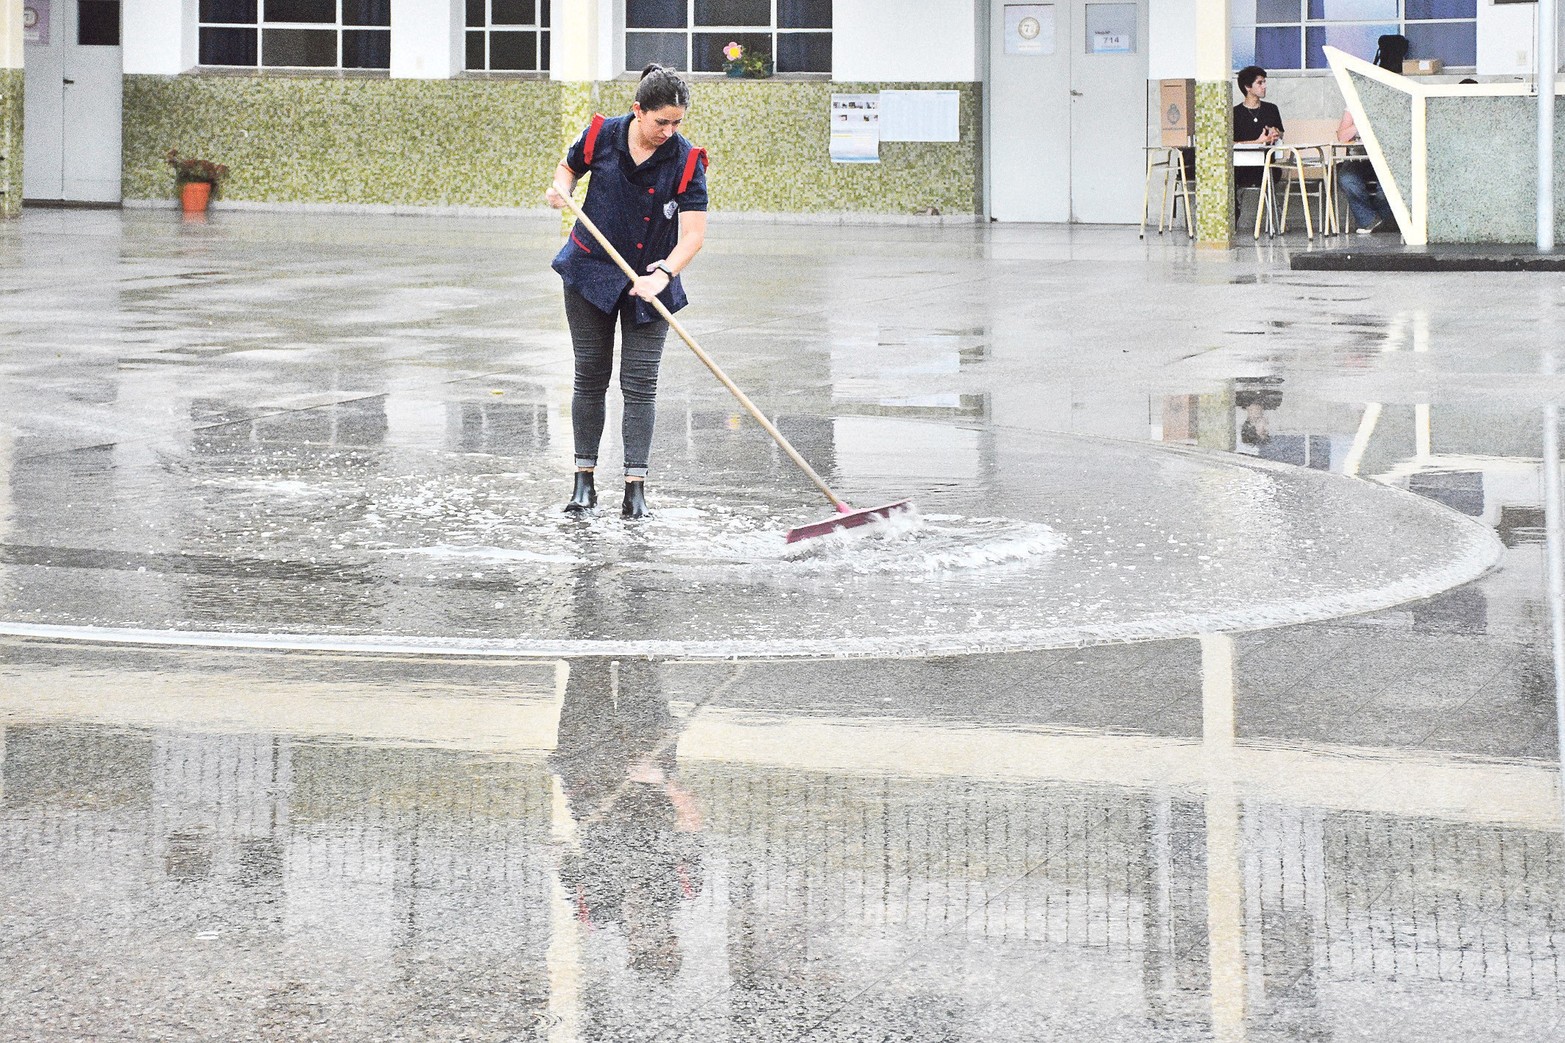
855	128
920	115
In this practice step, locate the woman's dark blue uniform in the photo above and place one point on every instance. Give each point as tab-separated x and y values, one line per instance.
638	209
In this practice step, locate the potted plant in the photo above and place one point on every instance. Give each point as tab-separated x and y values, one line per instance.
197	180
756	65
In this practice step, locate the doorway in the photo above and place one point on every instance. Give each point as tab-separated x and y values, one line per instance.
72	100
1067	92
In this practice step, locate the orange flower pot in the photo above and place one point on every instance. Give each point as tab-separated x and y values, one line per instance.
195	195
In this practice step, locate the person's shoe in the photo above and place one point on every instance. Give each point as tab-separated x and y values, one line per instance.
635	501
1366	229
584	497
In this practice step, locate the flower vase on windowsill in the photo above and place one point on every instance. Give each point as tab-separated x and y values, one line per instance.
739	65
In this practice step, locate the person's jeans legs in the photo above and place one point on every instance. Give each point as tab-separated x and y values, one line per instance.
641	352
1365	204
592	341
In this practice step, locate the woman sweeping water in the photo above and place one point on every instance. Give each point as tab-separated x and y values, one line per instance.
648	196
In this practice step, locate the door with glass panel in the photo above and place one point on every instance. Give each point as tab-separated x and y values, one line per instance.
1067	94
72	97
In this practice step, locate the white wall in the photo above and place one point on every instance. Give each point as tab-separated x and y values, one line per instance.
1171	39
913	40
426	39
158	36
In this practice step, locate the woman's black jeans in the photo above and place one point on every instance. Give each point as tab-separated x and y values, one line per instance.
641	350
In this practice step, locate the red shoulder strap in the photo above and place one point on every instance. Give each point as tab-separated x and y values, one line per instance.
690	167
592	136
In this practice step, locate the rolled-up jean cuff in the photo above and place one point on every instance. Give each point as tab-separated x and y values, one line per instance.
583	462
636	472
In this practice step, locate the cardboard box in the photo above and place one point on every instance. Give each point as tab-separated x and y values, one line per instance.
1422	67
1176	111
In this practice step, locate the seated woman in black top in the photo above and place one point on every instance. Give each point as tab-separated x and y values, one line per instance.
1256	121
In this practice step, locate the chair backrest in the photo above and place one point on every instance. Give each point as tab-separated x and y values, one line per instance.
1310	132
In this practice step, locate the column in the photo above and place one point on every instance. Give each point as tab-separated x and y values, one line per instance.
587	41
10	108
426	39
1214	172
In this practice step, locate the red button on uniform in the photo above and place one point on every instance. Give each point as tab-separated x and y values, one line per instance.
638	246
650	191
646	218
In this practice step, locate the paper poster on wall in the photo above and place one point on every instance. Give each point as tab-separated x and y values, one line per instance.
35	21
855	128
1029	29
920	116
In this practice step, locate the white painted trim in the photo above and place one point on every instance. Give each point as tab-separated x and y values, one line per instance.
1415	230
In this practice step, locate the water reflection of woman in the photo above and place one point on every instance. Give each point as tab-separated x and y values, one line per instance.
638	853
1257	396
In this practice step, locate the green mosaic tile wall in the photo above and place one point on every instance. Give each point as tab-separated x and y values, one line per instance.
11	141
1390	113
1483	170
496	142
1214	171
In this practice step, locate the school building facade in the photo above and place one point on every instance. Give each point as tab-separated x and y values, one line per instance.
1035	112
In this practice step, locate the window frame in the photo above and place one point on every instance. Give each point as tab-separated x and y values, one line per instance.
1303	24
260	25
541	29
691	29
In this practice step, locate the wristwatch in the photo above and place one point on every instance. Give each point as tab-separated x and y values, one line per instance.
662	266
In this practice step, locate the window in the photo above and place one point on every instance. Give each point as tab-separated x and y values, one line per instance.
1290	34
691	34
508	35
296	34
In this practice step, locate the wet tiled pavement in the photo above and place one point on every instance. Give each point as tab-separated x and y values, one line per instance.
320	722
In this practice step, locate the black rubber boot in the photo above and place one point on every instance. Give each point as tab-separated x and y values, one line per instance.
635	500
584	497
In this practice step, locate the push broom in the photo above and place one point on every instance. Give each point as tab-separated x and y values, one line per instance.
846	517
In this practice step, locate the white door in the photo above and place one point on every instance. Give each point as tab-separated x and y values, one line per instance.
72	99
1068	110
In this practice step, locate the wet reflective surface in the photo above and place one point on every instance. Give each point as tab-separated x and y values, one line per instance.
1281	822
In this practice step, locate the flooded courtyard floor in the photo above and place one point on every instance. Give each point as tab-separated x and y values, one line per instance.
1209	694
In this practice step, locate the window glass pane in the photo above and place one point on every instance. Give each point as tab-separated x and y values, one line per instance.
1441	9
227	47
653	14
513	12
642	49
242	11
1352	10
1277	11
475	52
301	11
302	48
543	52
734	12
366	12
98	23
707	48
1277	48
366	49
1360	40
803	14
1242	12
476	9
543	13
1243	48
1454	43
1111	29
513	52
804	52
